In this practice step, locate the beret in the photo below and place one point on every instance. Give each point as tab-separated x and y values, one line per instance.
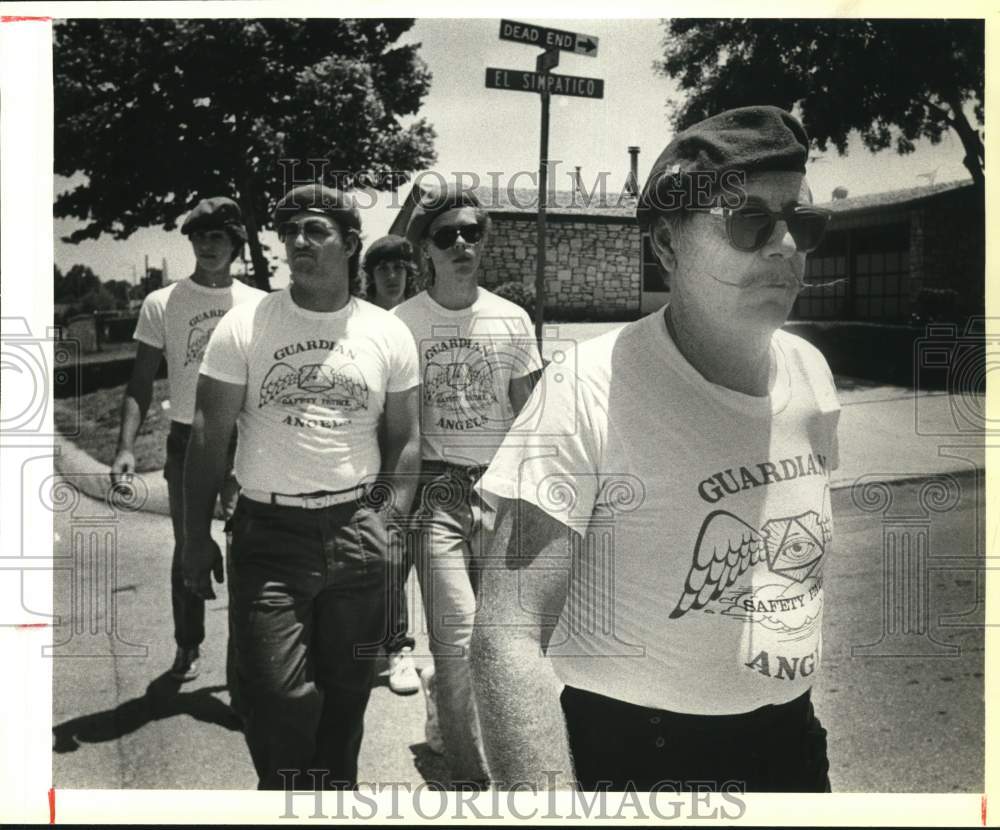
217	213
318	198
387	248
746	140
432	204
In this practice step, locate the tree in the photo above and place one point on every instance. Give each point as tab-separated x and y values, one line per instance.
77	282
97	299
160	113
119	289
892	80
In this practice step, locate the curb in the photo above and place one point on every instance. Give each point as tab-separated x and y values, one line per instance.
902	479
147	493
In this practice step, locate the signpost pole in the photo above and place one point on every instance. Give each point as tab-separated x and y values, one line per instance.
543	184
553	41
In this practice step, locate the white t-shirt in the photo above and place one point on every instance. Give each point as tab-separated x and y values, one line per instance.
179	320
467	360
710	515
316	385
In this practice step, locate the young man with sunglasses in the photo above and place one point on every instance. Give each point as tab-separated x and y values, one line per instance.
324	387
478	364
660	627
176	322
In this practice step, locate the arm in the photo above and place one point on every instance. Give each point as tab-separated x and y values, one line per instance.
520	390
399	441
135	404
524	583
217	406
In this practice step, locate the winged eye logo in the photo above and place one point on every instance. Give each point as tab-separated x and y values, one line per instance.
727	546
343	387
463	387
197	341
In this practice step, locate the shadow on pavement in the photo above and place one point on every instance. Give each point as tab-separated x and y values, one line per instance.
162	700
433	768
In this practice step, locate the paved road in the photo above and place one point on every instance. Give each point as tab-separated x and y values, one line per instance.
905	715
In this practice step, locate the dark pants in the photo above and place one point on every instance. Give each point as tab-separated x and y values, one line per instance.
188	609
309	599
398	637
772	749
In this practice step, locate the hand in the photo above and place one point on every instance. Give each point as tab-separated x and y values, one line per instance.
122	466
202	560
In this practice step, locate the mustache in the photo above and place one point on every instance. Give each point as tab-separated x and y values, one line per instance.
789	278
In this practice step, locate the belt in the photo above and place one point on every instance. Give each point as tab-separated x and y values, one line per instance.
309	501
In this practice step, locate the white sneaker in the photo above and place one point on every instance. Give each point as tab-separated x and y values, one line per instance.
432	731
403	679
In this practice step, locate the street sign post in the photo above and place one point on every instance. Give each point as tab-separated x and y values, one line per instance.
542	81
549	59
546	38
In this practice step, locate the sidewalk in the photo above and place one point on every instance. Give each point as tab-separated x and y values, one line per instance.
886	433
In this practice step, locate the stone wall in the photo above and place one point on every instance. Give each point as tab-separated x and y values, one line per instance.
592	269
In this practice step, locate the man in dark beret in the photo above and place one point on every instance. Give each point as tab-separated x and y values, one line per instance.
324	388
652	603
176	322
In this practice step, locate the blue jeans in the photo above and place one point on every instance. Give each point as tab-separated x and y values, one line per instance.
449	524
309	612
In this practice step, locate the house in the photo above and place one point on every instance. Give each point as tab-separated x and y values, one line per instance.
900	253
888	255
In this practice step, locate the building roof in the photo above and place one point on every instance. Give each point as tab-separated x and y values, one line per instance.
893	198
507	200
621	206
560	202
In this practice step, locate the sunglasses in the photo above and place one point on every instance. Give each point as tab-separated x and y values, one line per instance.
315	230
444	238
750	227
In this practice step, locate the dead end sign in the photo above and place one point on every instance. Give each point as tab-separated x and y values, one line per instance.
546	38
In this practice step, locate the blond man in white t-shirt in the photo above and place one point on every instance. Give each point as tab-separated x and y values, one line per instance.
176	322
652	604
324	387
478	363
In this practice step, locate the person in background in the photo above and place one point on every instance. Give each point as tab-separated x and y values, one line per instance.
390	279
176	322
390	270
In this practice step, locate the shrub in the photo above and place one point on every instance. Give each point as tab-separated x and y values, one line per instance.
519	294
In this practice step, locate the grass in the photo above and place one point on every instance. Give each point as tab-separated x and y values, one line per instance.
95	419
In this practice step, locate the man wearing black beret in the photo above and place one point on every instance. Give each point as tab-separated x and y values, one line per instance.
324	387
176	321
653	598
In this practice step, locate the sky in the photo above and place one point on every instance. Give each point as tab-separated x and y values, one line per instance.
482	130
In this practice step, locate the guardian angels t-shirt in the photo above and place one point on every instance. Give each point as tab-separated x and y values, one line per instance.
467	360
707	515
179	320
316	386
